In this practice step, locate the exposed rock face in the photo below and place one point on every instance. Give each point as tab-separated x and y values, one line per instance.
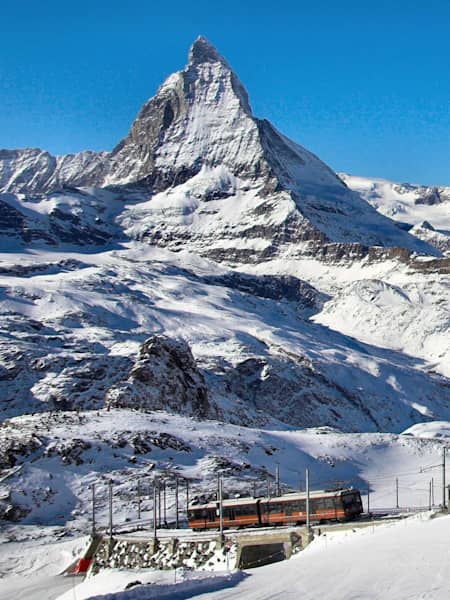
425	231
32	170
164	377
273	287
432	195
43	368
70	216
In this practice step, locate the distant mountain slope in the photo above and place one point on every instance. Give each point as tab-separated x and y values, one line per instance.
425	208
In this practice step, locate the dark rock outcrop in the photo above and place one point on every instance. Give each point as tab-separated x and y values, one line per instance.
165	377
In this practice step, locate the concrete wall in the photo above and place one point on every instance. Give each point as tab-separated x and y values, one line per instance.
166	554
171	553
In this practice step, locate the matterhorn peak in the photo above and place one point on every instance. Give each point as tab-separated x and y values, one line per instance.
203	51
198	152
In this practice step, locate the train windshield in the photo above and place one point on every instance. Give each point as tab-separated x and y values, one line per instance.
351	499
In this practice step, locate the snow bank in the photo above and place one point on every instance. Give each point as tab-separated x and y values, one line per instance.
156	585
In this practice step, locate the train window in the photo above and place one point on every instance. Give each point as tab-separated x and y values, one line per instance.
314	505
231	514
249	510
211	516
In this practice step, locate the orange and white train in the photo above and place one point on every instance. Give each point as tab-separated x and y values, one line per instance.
288	509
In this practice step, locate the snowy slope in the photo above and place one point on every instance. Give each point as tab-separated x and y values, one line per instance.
69	336
404	561
396	561
403	311
372	563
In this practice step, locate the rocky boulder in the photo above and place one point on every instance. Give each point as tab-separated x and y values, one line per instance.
164	377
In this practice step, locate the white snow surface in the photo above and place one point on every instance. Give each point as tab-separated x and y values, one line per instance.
398	561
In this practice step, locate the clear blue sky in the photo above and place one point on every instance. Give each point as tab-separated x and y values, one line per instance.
365	85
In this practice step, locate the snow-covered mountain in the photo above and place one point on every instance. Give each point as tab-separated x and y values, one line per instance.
198	171
206	273
423	210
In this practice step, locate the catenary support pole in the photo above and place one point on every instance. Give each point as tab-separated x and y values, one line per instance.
368	497
308	522
444	499
396	491
187	495
268	487
176	504
154	510
221	509
139	499
159	504
164	503
277	479
432	491
429	496
93	510
110	496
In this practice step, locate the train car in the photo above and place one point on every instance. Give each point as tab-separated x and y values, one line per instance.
287	509
338	505
239	512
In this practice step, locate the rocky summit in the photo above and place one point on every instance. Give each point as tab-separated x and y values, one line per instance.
191	299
